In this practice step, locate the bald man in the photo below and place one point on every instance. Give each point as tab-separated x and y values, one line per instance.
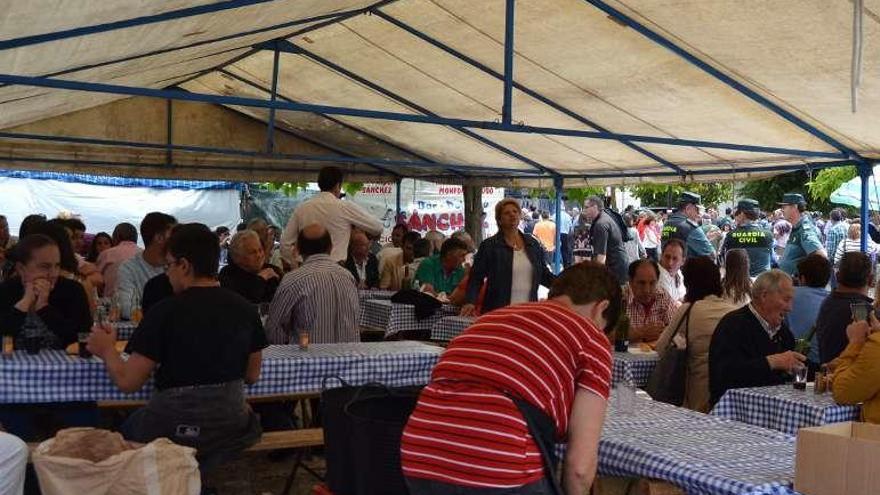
319	298
362	264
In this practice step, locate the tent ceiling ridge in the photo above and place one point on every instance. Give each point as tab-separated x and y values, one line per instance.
521	87
720	75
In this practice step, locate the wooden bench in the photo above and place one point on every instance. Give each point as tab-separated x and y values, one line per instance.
291	439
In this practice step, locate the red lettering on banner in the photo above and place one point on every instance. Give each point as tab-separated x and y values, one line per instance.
414	222
443	221
456	221
429	222
381	189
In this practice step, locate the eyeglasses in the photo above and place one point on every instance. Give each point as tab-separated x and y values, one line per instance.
169	264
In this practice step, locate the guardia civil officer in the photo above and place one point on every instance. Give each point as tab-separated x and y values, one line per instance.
804	239
748	235
684	225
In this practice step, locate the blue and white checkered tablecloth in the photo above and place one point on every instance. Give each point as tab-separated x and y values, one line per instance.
633	367
403	318
53	376
450	327
375	313
700	453
125	329
783	408
366	294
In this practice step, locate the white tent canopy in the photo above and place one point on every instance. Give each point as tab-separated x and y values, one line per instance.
770	79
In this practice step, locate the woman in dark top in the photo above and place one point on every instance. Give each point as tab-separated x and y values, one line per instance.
511	263
208	343
100	243
58	307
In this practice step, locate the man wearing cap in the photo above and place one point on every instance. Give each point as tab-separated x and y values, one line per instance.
684	225
756	240
804	239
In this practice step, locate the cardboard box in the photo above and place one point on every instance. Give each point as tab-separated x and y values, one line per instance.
838	459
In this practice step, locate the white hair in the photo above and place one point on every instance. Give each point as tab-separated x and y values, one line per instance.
235	245
769	281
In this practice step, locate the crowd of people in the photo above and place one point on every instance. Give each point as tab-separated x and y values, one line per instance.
751	296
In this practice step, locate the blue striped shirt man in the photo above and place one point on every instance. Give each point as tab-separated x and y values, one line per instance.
319	297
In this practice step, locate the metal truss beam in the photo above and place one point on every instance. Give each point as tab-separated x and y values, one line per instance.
255	154
336	121
127	23
721	76
394	116
411	104
766	168
528	91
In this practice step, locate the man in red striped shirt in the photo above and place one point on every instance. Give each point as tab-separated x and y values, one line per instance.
467	434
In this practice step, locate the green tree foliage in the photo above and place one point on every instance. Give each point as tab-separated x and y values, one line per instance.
659	194
575	195
292	188
828	180
769	192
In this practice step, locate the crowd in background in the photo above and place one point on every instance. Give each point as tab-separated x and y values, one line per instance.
752	295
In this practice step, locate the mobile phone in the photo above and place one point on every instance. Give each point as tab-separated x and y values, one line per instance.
860	311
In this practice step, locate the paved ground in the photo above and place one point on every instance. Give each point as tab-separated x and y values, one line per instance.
256	474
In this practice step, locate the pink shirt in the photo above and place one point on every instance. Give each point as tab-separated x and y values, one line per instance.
110	260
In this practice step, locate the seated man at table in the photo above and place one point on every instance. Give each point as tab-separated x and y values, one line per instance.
443	272
752	346
248	273
124	248
648	307
396	271
548	362
320	297
857	370
854	279
814	271
363	265
204	344
134	273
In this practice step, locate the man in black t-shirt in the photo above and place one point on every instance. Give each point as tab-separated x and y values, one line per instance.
208	341
607	239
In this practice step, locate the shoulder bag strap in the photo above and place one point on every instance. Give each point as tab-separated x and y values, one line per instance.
685	318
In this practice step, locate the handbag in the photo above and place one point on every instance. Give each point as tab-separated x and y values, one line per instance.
667	381
362	430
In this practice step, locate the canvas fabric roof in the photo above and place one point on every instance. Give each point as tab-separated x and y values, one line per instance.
797	55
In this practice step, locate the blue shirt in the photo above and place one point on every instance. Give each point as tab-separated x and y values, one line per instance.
804	311
804	240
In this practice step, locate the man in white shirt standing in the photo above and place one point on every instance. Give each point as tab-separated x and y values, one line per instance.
328	210
671	260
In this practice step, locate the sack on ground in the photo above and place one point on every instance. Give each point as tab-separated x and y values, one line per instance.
100	462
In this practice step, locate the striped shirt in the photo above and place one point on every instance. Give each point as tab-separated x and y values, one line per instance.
319	297
131	279
466	431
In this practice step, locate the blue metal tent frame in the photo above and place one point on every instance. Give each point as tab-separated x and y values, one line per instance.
841	156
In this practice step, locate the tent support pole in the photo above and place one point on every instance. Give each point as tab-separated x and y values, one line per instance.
398	210
528	91
507	106
273	96
169	132
557	251
865	172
